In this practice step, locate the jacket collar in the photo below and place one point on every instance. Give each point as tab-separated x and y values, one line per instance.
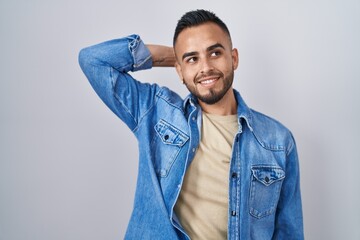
243	111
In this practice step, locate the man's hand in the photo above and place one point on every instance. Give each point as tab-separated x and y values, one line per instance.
162	56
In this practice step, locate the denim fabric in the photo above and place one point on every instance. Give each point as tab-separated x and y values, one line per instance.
264	191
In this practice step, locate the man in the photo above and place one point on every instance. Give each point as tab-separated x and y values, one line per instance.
209	166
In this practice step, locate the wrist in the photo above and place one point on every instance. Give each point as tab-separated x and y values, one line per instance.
162	56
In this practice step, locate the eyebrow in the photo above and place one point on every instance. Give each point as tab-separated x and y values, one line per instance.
210	48
216	45
188	54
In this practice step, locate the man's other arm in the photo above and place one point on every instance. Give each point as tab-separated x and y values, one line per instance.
162	56
289	218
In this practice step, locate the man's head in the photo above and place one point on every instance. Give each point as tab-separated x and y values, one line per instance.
196	18
204	54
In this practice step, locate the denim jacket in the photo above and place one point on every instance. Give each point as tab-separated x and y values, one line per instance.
264	191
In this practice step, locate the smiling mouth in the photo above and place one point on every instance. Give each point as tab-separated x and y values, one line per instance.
208	80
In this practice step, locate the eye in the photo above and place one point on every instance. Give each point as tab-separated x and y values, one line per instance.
191	59
215	54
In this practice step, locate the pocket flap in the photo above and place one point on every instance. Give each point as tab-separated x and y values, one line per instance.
267	174
170	134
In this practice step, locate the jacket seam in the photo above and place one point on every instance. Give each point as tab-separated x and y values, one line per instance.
269	147
118	98
291	145
144	115
126	109
168	102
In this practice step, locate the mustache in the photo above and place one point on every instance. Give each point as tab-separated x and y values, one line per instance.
209	74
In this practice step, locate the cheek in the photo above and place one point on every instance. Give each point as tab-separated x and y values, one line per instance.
227	67
189	74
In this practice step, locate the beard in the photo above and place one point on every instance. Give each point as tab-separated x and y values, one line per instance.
213	96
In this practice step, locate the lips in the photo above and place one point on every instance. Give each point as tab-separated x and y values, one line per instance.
208	80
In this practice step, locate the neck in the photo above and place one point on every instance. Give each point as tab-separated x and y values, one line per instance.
226	106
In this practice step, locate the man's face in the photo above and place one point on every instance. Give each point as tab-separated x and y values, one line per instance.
206	61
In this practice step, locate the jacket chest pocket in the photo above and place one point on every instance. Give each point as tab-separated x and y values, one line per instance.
166	144
265	189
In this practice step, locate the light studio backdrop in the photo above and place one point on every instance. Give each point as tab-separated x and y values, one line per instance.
68	165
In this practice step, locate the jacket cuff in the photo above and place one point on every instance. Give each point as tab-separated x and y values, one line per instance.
140	53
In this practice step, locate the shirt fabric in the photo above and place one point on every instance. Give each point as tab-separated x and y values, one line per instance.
203	201
264	199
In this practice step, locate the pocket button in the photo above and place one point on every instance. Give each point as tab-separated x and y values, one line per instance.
267	179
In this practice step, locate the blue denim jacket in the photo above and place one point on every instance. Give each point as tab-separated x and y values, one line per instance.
264	191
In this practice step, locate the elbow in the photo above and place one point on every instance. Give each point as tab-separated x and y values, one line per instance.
84	58
88	63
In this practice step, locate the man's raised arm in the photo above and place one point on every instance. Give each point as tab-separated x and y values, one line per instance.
106	65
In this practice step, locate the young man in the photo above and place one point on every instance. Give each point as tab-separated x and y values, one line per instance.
209	166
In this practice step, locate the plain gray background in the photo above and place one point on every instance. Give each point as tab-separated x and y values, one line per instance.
68	166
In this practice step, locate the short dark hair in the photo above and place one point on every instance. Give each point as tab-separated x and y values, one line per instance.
198	17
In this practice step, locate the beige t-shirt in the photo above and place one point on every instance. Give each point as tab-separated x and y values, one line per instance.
202	206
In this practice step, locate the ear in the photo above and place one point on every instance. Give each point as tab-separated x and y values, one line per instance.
179	72
235	58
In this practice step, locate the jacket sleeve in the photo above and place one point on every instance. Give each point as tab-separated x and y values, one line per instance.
106	65
289	219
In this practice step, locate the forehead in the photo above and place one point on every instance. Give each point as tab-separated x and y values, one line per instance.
200	37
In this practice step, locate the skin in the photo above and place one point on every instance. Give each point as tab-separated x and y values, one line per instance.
205	62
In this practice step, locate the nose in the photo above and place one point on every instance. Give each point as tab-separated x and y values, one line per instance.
206	66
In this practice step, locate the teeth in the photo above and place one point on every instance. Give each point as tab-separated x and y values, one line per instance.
208	81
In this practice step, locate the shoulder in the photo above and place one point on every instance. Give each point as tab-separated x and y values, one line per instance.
170	97
271	133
